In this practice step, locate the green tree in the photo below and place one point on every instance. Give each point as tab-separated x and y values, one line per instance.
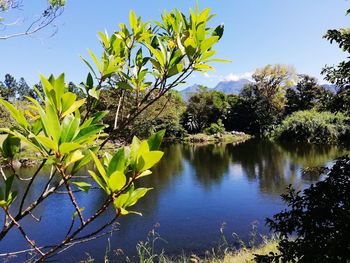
340	74
204	108
8	87
305	96
145	58
264	100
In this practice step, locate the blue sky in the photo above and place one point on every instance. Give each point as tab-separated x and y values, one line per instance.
257	32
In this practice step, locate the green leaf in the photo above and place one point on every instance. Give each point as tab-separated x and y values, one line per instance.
99	181
136	195
11	146
76	105
68	147
74	157
68	99
120	202
145	173
59	88
175	70
94	93
135	144
133	20
88	132
99	166
143	148
70	128
219	31
47	142
116	181
148	160
155	140
85	187
52	124
208	43
16	114
117	162
97	63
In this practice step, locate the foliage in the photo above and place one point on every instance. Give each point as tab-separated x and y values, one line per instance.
313	127
315	226
204	108
339	75
143	61
215	128
165	113
149	59
261	103
66	142
305	96
12	90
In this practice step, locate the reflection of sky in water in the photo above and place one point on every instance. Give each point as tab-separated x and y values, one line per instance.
196	189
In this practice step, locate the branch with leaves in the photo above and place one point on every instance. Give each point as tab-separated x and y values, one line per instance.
142	62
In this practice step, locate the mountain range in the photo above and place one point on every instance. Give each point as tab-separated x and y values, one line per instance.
231	87
227	87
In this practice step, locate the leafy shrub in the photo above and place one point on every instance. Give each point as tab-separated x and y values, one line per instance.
313	127
316	226
215	128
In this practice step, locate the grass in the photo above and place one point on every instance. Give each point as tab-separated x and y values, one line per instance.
247	255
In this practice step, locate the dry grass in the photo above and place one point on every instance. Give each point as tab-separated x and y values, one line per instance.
247	255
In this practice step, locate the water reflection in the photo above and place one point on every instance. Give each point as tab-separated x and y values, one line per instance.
196	188
210	162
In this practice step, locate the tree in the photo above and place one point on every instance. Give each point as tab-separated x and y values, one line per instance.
22	89
8	87
165	113
150	59
315	226
264	100
53	10
340	74
68	132
305	96
204	108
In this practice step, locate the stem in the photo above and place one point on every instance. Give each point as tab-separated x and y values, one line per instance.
29	186
32	244
71	196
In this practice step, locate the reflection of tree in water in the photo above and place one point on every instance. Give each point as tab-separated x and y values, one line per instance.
264	161
276	166
210	162
162	174
313	155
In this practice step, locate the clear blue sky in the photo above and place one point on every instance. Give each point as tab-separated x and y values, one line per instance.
257	32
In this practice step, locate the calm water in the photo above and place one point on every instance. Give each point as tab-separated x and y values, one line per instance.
196	189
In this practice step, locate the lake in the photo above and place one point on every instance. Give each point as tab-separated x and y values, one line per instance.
196	190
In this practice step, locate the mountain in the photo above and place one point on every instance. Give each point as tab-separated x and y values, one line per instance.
227	87
330	87
231	86
187	92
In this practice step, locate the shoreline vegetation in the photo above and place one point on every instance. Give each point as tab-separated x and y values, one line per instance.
224	137
30	158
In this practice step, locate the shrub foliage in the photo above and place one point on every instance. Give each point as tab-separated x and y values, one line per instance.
316	225
313	127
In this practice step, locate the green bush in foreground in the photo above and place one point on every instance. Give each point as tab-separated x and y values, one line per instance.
313	127
316	225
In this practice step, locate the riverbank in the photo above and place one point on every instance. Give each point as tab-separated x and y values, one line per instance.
242	255
226	137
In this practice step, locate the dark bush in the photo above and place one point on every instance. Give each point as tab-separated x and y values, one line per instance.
316	225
